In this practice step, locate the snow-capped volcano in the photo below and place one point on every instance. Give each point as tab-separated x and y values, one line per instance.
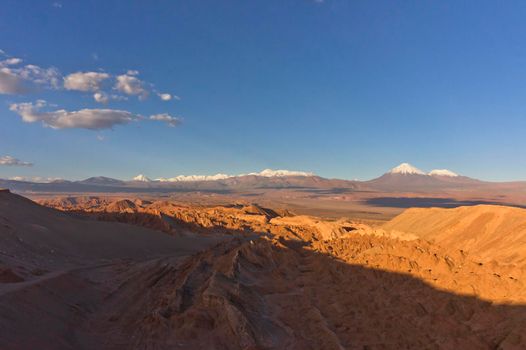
443	172
406	177
141	178
406	169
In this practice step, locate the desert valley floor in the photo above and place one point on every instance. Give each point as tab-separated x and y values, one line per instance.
107	272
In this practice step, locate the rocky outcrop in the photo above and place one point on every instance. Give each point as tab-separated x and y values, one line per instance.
284	282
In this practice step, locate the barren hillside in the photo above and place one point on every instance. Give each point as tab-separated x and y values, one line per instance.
490	232
241	277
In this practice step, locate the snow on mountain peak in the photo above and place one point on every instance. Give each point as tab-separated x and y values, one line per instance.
442	172
187	178
264	173
141	178
406	168
280	173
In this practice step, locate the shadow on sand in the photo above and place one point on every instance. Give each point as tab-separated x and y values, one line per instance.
277	296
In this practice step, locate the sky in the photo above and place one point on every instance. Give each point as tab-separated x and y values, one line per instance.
344	89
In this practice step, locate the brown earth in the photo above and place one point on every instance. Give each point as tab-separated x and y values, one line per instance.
244	277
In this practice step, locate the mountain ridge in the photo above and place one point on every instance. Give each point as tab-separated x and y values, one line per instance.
403	178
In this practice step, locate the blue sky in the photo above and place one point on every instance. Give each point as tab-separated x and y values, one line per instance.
344	89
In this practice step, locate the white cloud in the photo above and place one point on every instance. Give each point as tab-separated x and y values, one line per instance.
164	96
11	83
101	97
92	119
129	84
11	161
17	78
38	179
57	5
85	81
46	77
13	61
104	98
22	79
168	119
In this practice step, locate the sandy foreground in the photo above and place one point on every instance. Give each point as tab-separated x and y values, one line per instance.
140	274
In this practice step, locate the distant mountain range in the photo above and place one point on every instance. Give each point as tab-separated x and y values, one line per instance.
403	178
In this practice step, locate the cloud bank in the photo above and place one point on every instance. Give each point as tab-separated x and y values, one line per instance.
17	78
37	179
11	161
91	119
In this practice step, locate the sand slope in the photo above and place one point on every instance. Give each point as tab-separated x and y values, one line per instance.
44	238
55	269
489	232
